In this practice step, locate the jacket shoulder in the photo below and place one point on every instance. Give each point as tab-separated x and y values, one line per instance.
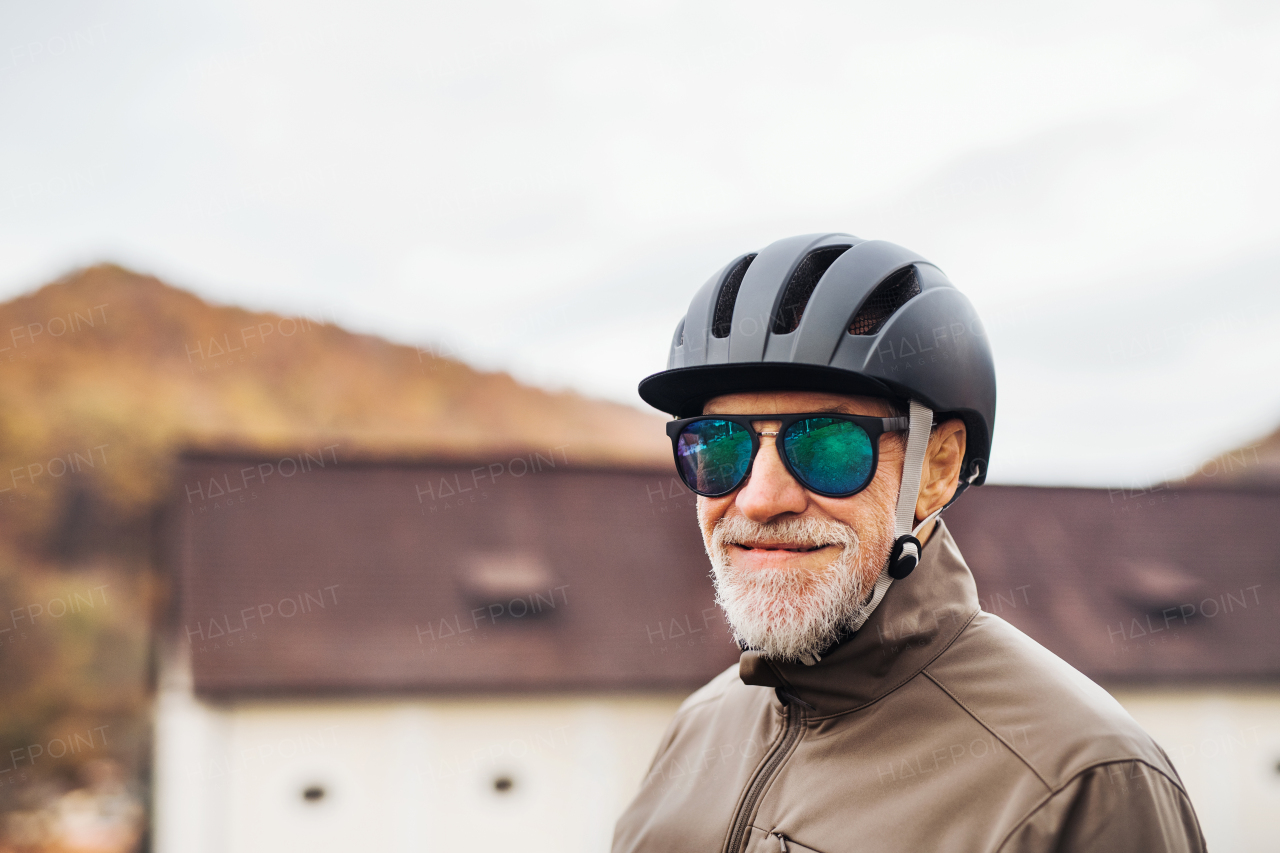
713	690
1057	720
705	711
1124	805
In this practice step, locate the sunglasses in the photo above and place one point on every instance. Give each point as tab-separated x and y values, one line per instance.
831	454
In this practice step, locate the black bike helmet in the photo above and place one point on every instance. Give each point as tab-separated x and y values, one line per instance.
831	312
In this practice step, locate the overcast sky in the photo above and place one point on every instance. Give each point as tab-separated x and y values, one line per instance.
541	187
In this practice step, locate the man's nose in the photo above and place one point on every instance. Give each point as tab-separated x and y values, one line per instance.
770	491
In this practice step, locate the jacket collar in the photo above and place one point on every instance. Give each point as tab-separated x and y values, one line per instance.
919	617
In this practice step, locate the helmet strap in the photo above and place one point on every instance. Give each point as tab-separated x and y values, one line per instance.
906	547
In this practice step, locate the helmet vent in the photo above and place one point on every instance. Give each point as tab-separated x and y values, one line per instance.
722	322
890	295
806	277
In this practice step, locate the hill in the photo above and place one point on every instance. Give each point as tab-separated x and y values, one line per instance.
1253	466
106	373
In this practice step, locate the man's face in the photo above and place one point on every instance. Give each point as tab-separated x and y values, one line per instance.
793	568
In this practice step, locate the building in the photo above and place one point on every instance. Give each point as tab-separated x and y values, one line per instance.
484	653
445	655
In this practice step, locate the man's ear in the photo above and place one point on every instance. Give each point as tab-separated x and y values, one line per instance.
942	460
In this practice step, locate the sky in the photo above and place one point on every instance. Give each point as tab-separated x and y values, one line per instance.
540	188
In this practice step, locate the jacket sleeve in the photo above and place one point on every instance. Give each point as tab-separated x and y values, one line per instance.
1125	805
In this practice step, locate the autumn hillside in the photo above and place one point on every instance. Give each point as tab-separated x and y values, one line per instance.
124	370
1254	465
105	376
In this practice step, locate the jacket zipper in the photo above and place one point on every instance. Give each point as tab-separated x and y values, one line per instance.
742	820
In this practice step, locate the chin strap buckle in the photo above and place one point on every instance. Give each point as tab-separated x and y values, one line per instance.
904	557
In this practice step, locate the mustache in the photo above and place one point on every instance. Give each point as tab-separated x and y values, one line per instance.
804	531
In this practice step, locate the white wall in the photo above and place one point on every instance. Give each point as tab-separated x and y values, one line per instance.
401	775
419	774
1225	744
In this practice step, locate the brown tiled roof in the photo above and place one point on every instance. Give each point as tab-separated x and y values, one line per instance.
1131	585
524	573
504	573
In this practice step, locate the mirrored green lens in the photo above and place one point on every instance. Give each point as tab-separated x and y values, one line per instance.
714	455
829	455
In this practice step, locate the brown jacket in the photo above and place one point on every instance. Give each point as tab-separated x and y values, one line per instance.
937	727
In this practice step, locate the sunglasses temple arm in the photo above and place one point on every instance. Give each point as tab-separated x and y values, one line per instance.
897	424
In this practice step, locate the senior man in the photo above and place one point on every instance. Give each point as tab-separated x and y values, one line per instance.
832	397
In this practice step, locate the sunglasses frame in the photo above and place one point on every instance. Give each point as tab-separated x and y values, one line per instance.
873	426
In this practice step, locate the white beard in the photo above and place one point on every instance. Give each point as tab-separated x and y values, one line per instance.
790	615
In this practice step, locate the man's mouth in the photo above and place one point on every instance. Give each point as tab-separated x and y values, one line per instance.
780	546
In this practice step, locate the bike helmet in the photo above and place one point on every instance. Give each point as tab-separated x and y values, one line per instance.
831	312
834	313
